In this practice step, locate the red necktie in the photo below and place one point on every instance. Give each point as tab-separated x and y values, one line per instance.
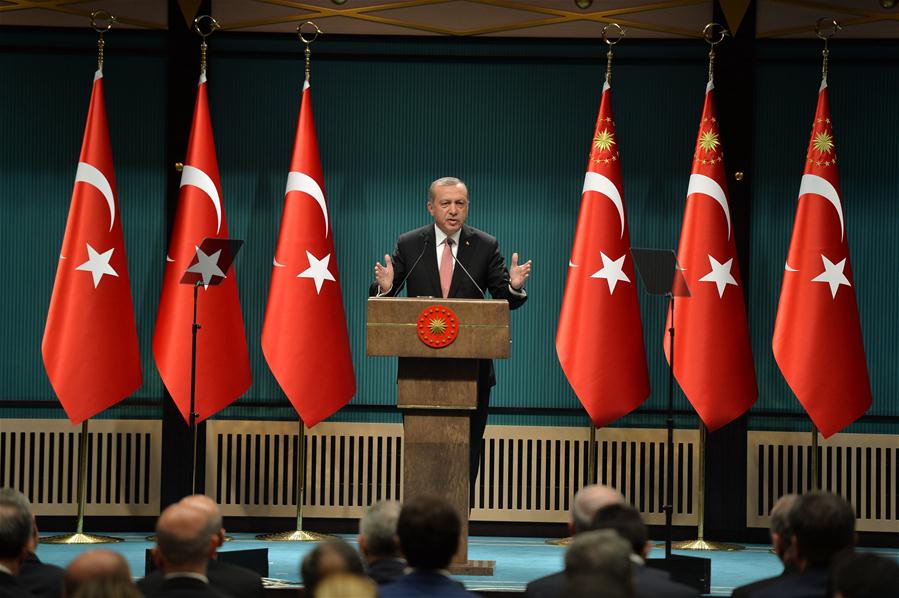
446	266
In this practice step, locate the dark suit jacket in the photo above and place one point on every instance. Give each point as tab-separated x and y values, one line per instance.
431	584
183	587
386	570
41	579
478	252
648	583
751	589
811	583
11	588
228	579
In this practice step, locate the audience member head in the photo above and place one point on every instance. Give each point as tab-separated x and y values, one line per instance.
587	502
377	531
327	559
16	529
213	514
601	554
107	587
184	542
95	566
780	528
626	521
821	525
858	575
342	585
428	530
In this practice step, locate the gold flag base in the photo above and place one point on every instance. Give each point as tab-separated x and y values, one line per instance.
560	541
295	536
79	538
704	545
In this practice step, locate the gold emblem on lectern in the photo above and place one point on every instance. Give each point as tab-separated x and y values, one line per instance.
437	326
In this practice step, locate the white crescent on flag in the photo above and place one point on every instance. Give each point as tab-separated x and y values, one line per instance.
820	186
593	181
300	181
195	177
699	183
92	176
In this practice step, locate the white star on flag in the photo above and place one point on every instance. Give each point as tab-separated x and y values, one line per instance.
833	275
207	266
612	271
720	275
97	264
317	271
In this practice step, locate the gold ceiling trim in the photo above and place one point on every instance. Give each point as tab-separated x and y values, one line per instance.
554	16
865	17
63	7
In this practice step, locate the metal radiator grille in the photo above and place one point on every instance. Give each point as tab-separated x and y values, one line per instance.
40	459
862	468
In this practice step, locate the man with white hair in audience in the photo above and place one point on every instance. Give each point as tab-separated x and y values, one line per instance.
378	542
780	542
41	579
16	528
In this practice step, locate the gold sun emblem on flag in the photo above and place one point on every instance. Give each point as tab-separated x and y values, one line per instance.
437	326
604	140
823	142
708	140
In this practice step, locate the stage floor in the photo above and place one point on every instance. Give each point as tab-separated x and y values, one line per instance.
518	560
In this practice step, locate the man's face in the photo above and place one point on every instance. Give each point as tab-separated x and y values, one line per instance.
449	208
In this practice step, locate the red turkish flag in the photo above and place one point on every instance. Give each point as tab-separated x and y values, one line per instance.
90	344
713	355
223	363
600	336
817	335
304	336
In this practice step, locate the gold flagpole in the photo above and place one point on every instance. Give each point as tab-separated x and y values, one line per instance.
298	534
714	34
79	537
591	443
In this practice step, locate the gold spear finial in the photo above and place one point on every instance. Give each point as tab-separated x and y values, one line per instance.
101	21
308	42
611	42
198	28
825	36
714	34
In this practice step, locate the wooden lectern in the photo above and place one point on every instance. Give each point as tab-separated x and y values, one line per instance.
437	388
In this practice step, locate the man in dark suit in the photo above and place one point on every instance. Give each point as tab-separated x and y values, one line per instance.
183	546
428	530
822	525
16	525
377	542
587	502
41	579
450	259
780	542
228	579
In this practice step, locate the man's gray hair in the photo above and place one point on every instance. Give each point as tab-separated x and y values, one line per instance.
780	515
445	181
599	552
588	501
378	527
16	523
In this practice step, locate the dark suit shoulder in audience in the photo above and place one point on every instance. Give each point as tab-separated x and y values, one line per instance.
41	579
183	587
11	588
654	583
808	584
228	579
430	584
751	589
386	570
546	587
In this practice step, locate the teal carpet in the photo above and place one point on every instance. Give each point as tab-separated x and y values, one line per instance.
518	560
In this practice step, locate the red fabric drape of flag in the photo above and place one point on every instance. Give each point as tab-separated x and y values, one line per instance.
713	356
600	338
304	336
223	363
817	335
90	346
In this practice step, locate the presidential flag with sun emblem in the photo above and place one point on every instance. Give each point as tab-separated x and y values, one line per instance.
713	357
600	337
90	346
223	362
304	336
817	335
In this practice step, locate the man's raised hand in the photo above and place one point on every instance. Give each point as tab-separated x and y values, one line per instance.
384	274
518	274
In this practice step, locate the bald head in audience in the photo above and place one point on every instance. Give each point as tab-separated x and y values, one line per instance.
93	565
587	502
213	515
184	540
